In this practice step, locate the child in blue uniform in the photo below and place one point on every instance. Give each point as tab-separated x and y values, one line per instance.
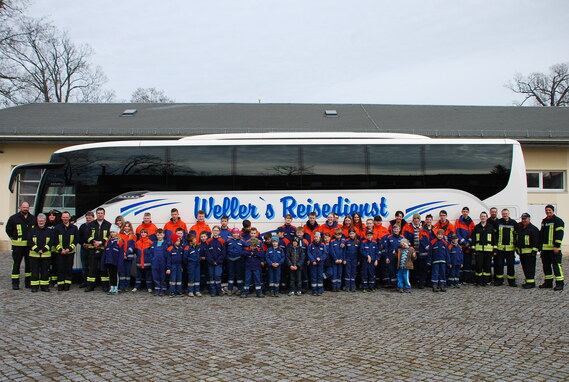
215	256
159	249
193	260
317	254
456	262
253	265
439	258
275	257
369	251
112	260
235	251
174	260
338	259
391	244
351	254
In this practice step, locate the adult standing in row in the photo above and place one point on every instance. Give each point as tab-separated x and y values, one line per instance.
551	235
17	228
100	229
40	241
527	244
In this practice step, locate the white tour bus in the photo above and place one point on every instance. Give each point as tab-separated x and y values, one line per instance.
262	177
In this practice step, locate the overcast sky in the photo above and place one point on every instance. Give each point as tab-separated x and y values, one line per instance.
444	52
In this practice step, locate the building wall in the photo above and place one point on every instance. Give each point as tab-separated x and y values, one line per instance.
548	159
12	155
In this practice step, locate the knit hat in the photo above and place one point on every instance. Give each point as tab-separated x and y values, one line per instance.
550	206
416	215
174	238
235	230
275	238
114	228
254	242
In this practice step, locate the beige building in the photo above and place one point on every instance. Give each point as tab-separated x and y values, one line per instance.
31	133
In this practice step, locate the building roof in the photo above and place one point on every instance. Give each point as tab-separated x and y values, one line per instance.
90	122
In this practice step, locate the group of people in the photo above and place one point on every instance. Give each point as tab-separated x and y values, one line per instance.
355	254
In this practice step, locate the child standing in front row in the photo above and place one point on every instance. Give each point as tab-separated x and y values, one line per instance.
143	250
175	256
317	253
351	254
275	257
295	259
159	255
193	265
113	257
405	257
456	262
253	265
439	259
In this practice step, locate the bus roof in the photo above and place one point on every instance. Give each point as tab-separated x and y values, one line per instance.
349	138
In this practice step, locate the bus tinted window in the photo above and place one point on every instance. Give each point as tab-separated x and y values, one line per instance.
267	167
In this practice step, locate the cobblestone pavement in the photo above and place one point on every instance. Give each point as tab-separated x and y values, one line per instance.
466	334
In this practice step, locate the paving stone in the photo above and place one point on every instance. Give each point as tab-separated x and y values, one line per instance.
466	334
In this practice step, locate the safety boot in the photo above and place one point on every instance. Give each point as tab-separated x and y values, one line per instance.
559	285
547	284
512	283
15	284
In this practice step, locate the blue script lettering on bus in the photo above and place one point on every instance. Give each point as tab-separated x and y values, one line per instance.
231	207
342	207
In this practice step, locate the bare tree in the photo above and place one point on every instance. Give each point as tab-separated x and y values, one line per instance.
42	64
544	89
150	95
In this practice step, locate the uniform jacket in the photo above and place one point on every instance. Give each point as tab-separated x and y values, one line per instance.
67	237
336	252
99	232
309	230
391	244
192	253
275	255
551	234
447	226
143	250
289	231
235	248
352	249
527	239
464	230
113	253
215	251
150	228
438	252
174	256
159	254
506	235
456	255
369	248
41	239
170	228
18	227
198	228
129	240
317	251
253	259
483	238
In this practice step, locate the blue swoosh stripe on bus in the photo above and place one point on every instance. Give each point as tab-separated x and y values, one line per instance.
151	207
410	209
125	208
434	208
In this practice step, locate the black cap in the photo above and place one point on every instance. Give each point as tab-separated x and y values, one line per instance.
280	229
525	215
369	233
550	206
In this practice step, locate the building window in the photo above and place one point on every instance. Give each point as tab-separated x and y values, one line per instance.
546	180
27	187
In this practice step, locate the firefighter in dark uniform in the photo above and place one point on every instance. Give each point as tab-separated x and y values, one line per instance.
40	241
483	248
550	238
17	229
505	249
99	235
527	245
